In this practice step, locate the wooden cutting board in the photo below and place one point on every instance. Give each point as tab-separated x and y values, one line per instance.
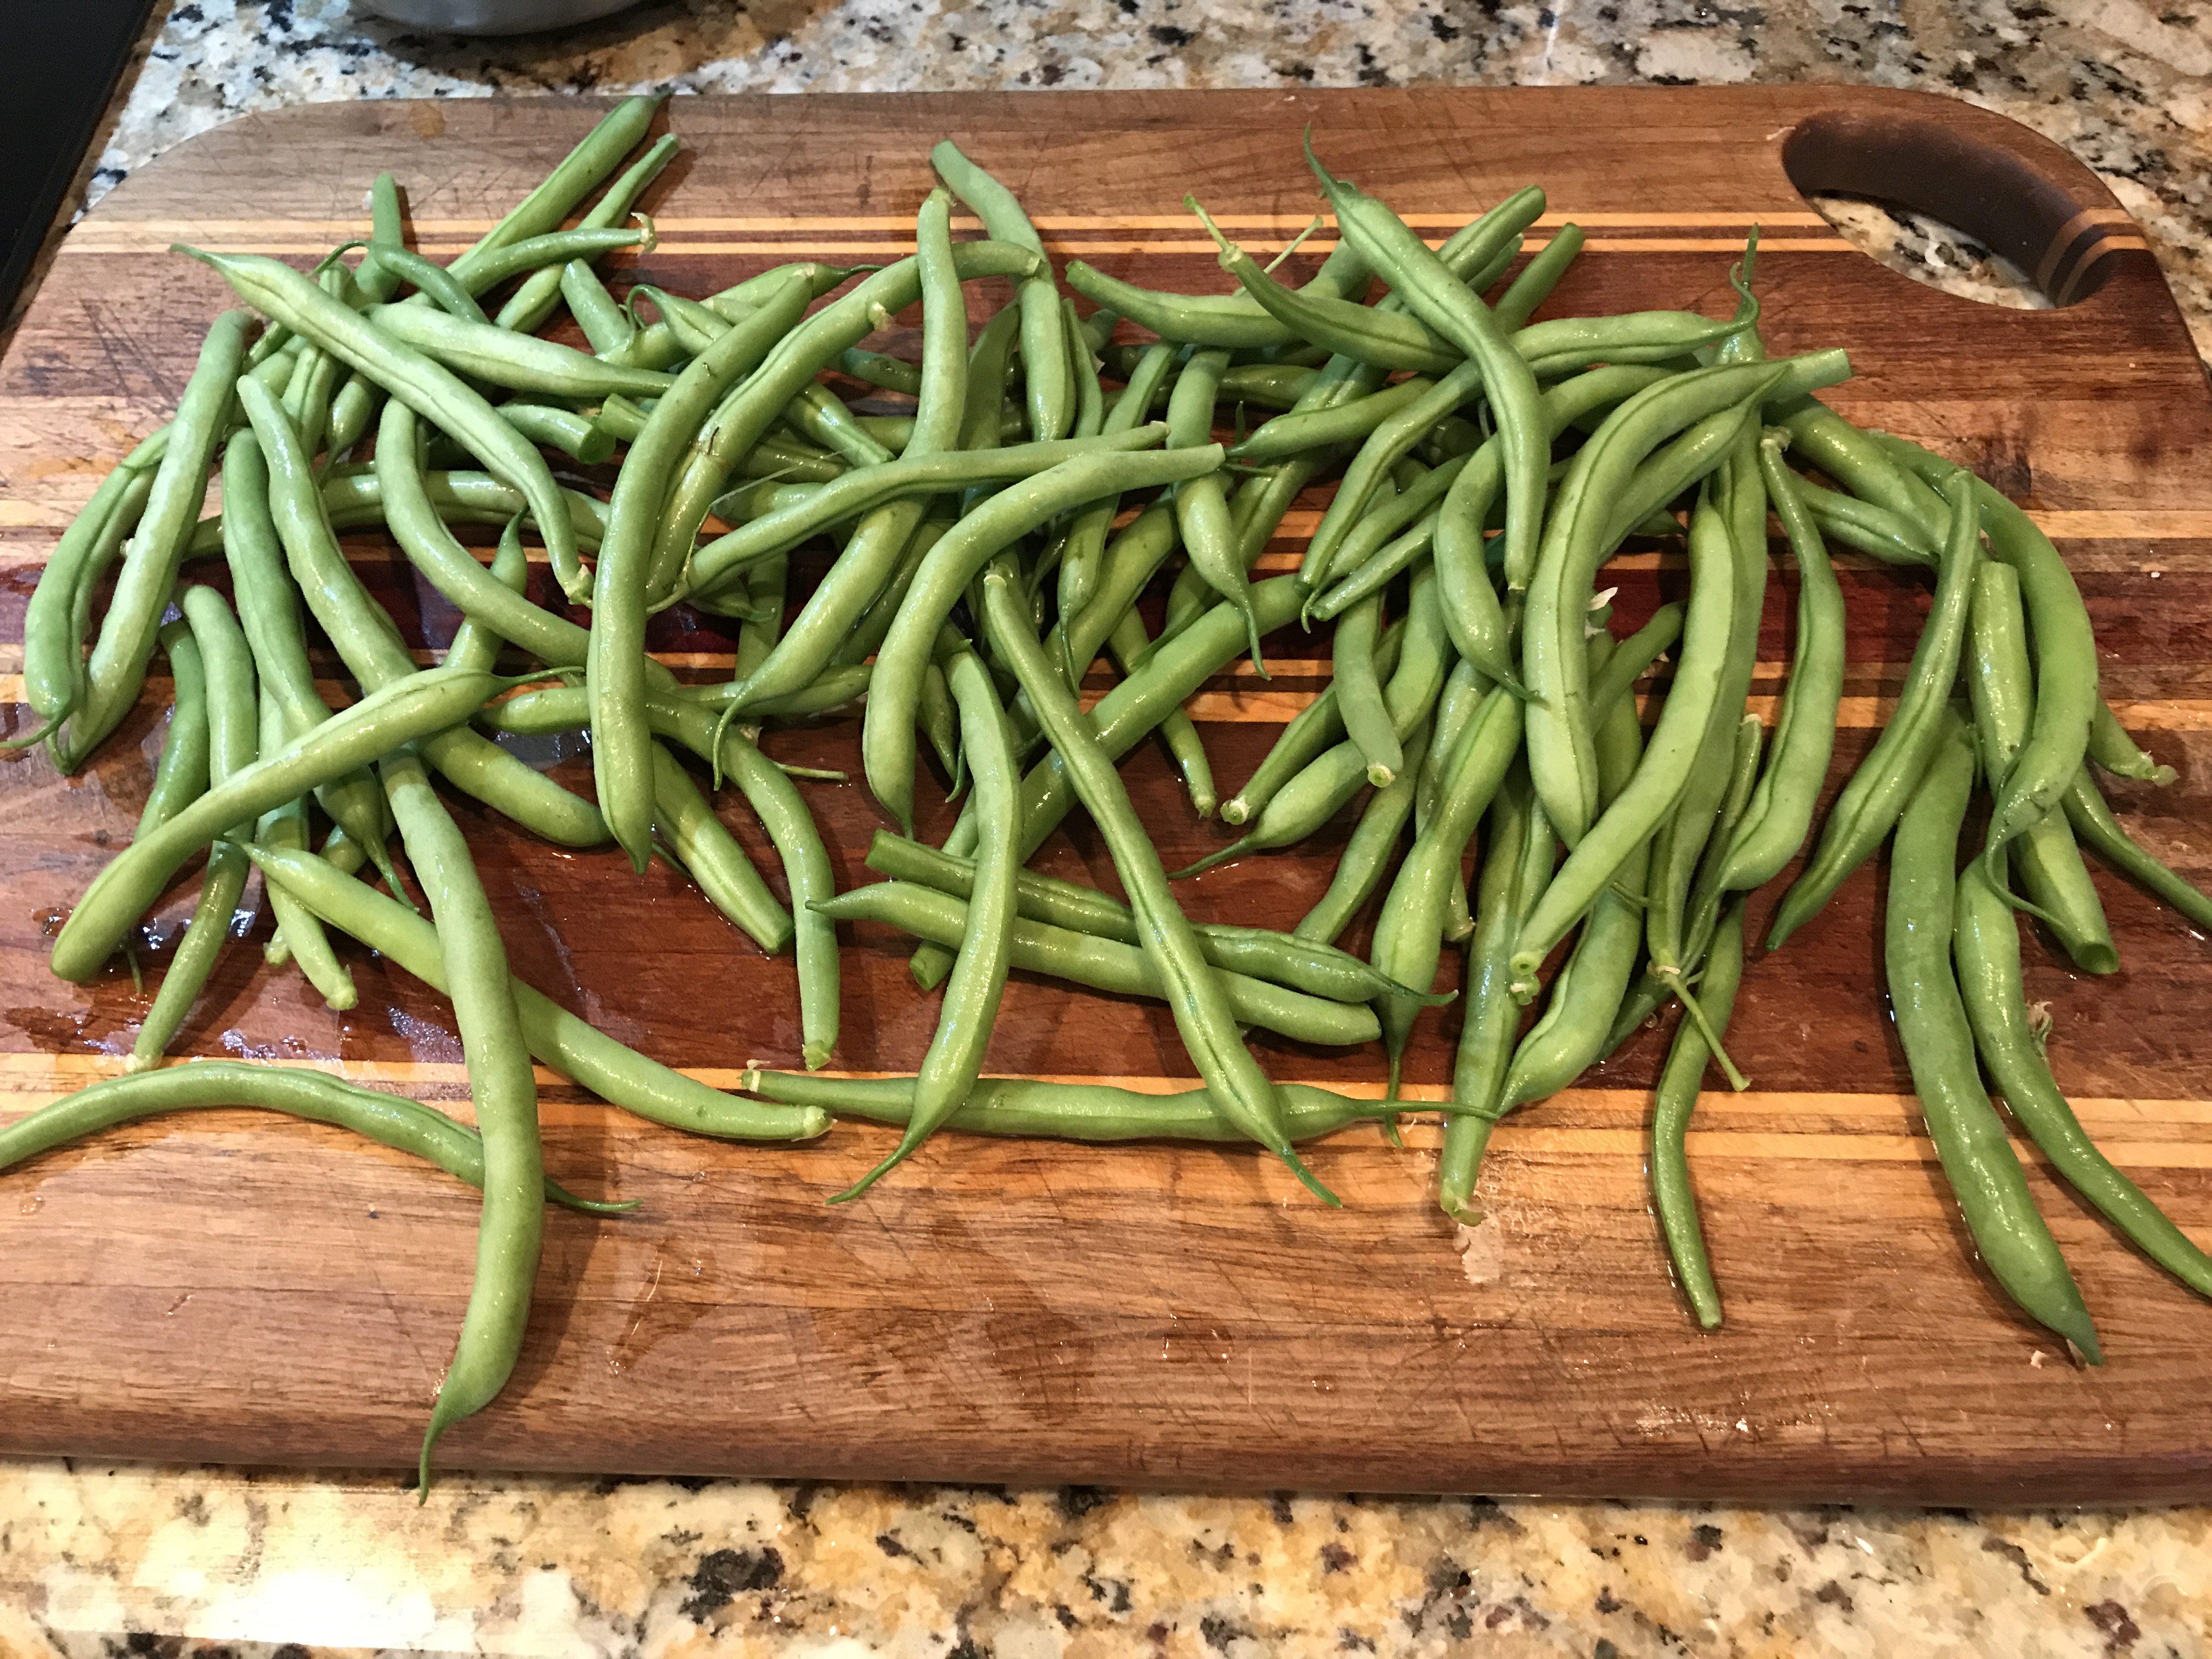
229	1286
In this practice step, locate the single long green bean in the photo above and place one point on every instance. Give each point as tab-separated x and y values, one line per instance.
155	552
1680	1084
1870	804
234	739
1932	1023
502	1086
2093	822
393	1121
1048	381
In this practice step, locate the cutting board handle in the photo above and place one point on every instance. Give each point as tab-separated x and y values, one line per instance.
1989	177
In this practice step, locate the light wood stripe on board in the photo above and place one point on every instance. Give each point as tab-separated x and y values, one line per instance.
154	234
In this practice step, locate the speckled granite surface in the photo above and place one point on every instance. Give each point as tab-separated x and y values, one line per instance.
98	1561
235	1564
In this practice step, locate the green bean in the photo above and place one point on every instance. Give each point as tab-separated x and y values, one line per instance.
1302	964
368	641
234	739
1629	658
2093	822
1366	856
520	363
1308	735
1178	732
502	1087
1359	692
807	874
1300	431
2065	656
180	777
269	608
1067	1111
1382	450
920	474
1233	321
735	300
387	230
1086	536
1870	804
1569	1037
570	1046
1681	843
156	549
299	936
766	585
1999	680
935	718
1409	935
599	153
614	655
1932	1023
1859	462
426	385
1870	528
1324	785
1271	385
1779	815
1985	948
1672	1195
393	1121
875	369
1048	379
1196	995
411	507
887	736
1443	302
707	851
574	434
53	632
1375	335
1515	864
2114	749
433	281
398	713
1103	965
1201	509
1539	277
1374	550
1561	758
607	327
551	250
1662	773
534	301
954	1062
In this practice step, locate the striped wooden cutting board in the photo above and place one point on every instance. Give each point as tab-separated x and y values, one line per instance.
228	1286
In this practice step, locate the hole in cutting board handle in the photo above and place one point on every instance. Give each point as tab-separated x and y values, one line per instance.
1994	193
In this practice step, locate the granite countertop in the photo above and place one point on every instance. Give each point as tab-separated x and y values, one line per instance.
96	1560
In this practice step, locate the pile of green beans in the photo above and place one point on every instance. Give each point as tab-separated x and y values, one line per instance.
997	514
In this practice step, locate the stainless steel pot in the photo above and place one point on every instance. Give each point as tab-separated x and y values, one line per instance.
490	16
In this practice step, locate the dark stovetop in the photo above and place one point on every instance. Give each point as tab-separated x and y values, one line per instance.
64	57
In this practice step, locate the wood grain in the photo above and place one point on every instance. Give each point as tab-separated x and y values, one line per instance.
230	1287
